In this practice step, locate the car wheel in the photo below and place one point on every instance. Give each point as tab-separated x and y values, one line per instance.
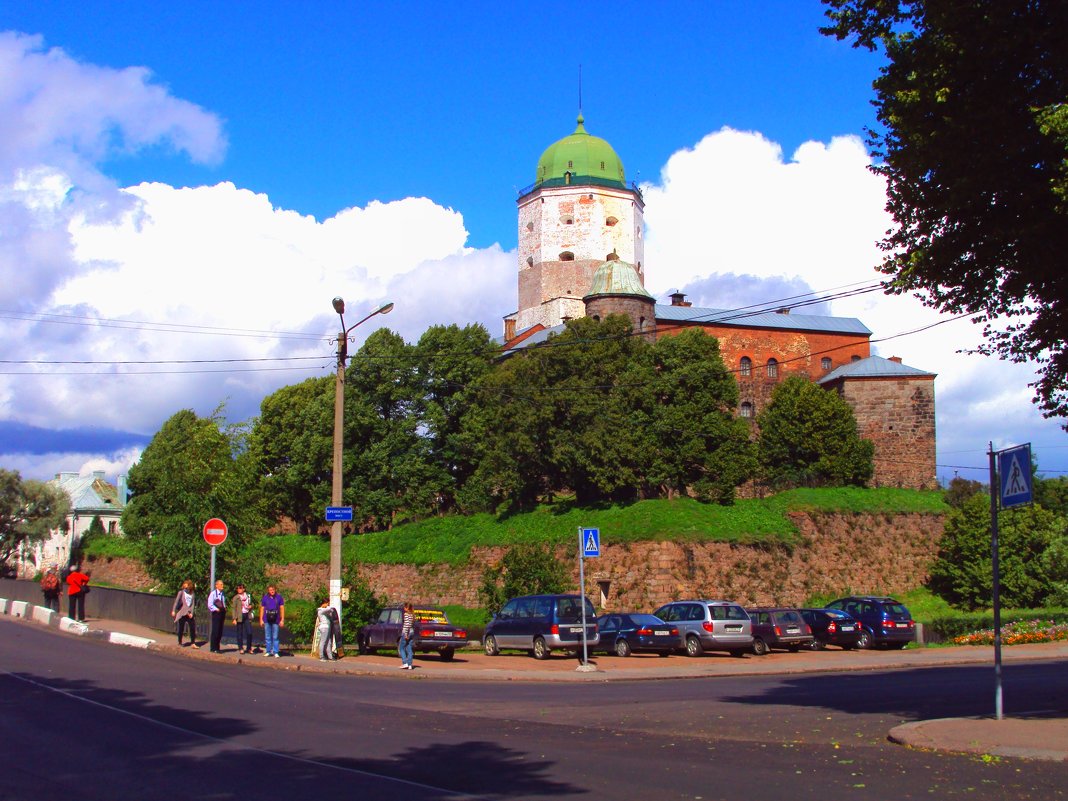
864	639
541	650
664	653
489	645
363	647
817	645
693	646
622	648
760	648
447	654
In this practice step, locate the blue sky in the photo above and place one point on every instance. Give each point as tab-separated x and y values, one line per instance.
159	161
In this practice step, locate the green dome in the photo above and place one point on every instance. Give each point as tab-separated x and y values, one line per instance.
617	277
588	160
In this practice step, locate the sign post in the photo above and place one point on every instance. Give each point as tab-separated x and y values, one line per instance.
1010	472
589	545
215	532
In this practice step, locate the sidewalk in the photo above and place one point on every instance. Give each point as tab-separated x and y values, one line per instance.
1032	738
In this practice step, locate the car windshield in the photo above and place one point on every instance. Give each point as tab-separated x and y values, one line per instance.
568	610
430	615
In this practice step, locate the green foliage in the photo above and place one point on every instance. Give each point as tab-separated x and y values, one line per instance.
973	143
190	472
525	570
961	489
751	520
963	572
1055	565
808	437
1052	494
300	620
363	605
28	511
105	547
960	624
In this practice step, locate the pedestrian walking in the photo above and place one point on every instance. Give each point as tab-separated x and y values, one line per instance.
325	624
242	606
182	612
407	634
50	587
272	618
77	589
217	607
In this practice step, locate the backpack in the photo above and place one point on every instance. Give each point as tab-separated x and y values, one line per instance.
50	582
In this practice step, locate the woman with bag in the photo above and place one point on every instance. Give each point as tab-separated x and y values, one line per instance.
404	644
182	612
242	605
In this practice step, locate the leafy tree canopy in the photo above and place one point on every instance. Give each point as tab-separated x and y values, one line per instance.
28	511
973	104
525	570
808	437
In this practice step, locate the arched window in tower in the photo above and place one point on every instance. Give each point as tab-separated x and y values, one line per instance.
773	368
746	410
567	255
641	323
567	178
745	367
611	221
570	165
854	359
530	226
530	261
825	363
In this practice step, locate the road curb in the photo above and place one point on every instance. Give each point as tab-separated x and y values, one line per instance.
982	736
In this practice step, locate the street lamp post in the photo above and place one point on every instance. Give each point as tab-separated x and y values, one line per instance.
339	424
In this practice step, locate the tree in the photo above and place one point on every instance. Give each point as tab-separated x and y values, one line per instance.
808	437
961	489
963	571
526	569
700	446
29	510
973	101
191	471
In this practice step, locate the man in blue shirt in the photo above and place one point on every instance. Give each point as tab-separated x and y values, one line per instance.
272	616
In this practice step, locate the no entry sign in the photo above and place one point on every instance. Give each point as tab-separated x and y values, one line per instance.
215	532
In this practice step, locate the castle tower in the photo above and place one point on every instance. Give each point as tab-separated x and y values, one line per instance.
617	290
578	211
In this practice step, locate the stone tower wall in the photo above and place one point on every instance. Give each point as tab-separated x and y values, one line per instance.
641	311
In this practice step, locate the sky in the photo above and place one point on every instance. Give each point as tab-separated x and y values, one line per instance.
185	187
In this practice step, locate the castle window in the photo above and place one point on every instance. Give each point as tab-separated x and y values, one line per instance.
641	323
567	255
825	363
745	366
855	359
773	368
567	178
746	409
611	221
530	226
602	165
530	261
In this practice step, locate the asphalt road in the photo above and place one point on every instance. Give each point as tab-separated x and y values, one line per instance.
88	720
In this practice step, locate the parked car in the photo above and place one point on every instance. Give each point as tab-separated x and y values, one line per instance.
541	624
433	631
709	626
775	627
831	627
623	633
884	621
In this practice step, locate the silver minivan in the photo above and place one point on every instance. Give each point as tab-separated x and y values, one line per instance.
710	626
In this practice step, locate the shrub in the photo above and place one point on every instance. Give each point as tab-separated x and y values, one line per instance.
525	570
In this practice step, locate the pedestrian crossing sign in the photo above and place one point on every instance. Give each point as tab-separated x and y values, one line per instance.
1014	472
590	539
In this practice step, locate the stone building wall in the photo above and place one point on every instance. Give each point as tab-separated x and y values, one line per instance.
898	415
837	554
641	311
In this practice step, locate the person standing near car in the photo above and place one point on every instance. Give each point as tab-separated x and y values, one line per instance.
242	604
272	617
182	613
217	607
77	588
407	634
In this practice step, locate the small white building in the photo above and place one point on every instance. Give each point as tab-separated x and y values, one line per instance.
90	496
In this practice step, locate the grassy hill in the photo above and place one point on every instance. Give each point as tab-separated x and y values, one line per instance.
450	539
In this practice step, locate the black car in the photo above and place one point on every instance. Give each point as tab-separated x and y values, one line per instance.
623	633
433	631
831	627
775	627
884	621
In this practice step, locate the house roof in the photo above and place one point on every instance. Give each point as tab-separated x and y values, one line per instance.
88	493
873	367
764	319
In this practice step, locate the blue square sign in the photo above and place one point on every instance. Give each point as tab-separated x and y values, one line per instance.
1014	475
591	541
336	513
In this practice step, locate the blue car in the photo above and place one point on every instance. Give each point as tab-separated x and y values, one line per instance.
883	621
542	624
624	633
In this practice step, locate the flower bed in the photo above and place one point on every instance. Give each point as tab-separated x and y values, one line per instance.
1018	633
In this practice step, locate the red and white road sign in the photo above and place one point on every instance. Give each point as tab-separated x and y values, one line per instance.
215	532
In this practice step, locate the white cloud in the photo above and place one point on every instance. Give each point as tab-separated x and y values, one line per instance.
45	466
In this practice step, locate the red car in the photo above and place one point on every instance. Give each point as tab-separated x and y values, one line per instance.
433	631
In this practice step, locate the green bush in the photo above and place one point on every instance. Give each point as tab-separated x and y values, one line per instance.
525	570
964	623
300	620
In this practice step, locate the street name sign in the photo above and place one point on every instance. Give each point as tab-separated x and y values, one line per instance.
335	514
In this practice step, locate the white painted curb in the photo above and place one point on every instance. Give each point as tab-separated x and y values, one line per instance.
3	605
19	608
119	638
72	626
42	614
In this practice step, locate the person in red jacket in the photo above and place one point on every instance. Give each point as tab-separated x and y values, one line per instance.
76	589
